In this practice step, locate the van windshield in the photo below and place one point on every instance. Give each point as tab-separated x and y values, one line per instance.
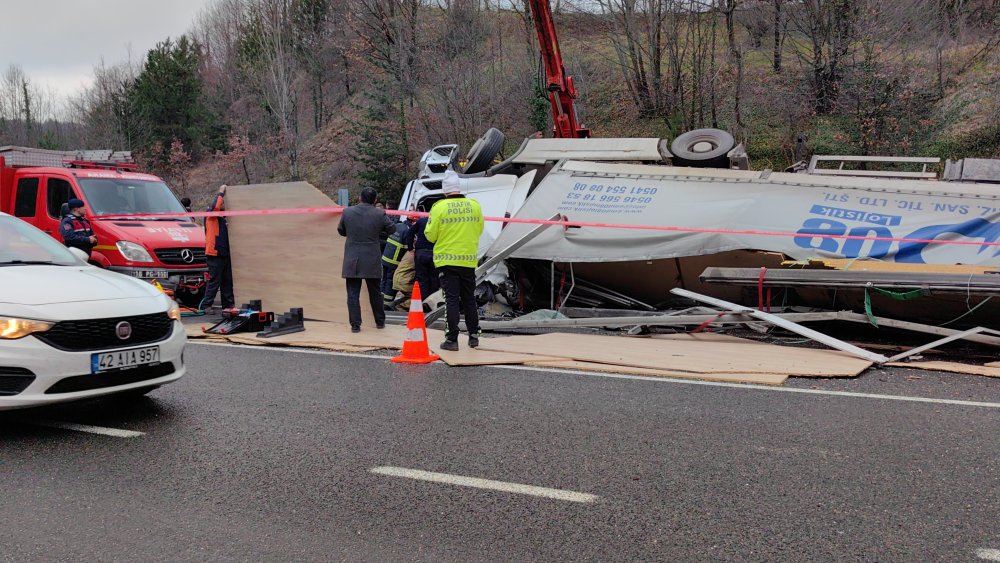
21	244
120	196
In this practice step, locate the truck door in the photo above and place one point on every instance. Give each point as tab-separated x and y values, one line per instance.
57	192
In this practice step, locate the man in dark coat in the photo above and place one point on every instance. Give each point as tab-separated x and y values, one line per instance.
363	225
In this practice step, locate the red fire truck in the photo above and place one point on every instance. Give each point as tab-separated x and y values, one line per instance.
36	184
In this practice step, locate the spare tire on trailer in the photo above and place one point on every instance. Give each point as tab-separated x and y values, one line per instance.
702	148
483	151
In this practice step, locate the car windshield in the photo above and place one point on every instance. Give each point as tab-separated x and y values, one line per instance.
121	196
22	244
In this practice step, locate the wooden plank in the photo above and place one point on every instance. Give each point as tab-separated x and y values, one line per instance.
685	356
917	327
760	379
952	367
475	357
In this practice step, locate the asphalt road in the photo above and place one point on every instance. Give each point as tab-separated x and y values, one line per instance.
268	455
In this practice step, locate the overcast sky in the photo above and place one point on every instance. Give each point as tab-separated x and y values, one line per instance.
58	42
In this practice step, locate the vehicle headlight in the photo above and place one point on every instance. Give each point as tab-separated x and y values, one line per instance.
12	329
174	312
133	252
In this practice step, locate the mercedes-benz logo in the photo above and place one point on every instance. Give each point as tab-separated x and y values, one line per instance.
187	256
123	330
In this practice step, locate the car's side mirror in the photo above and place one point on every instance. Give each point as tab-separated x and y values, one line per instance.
79	254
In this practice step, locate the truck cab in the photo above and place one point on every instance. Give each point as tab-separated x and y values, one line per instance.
168	250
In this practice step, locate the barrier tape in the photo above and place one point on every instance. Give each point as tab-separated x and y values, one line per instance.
565	224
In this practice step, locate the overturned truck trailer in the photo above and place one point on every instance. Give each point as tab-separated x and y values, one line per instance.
732	218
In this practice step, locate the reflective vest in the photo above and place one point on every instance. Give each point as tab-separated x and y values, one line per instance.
394	247
454	227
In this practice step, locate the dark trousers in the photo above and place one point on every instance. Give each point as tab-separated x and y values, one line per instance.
388	271
460	296
427	275
220	277
354	300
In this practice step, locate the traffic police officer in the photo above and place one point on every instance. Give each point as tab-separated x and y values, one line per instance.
454	226
76	229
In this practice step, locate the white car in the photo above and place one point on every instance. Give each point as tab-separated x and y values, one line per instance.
71	331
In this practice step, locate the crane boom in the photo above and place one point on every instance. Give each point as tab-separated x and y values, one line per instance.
559	86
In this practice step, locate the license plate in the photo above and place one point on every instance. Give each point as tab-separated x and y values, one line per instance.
150	274
124	359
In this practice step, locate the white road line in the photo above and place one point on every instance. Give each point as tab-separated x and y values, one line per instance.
988	554
114	432
750	386
502	486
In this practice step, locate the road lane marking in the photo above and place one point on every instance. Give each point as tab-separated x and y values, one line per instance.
903	398
988	554
114	432
502	486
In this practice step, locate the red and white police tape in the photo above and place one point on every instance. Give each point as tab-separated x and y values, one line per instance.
564	223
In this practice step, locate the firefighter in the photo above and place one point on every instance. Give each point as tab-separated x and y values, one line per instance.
454	226
423	257
76	229
391	255
220	266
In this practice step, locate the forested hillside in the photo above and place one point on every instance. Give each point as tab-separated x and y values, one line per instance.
350	92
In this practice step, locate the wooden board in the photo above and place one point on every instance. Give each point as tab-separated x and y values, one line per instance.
762	379
705	337
952	367
686	356
289	260
477	357
993	365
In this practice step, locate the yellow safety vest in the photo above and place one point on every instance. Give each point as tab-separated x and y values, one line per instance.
454	226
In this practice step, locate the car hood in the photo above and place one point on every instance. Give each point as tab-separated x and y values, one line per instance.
44	285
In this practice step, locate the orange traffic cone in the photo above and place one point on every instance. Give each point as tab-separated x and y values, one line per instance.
415	349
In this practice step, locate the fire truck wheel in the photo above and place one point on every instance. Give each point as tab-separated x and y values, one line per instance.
483	151
702	148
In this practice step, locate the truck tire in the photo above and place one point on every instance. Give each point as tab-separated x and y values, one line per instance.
702	148
483	151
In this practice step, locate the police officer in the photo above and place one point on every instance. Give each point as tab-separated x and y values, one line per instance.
391	255
454	226
76	229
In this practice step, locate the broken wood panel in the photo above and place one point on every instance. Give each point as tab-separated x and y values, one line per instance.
685	356
953	367
760	379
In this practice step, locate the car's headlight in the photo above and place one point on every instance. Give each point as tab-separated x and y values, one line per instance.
133	252
174	312
12	329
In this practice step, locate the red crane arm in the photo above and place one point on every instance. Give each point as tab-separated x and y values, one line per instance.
559	86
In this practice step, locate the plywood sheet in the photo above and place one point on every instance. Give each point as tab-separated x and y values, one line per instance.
761	378
993	365
472	357
686	356
952	367
705	337
289	260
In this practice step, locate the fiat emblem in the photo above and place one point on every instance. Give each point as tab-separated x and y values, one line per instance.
187	256
123	330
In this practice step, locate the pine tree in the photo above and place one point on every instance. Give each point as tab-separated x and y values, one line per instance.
382	147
